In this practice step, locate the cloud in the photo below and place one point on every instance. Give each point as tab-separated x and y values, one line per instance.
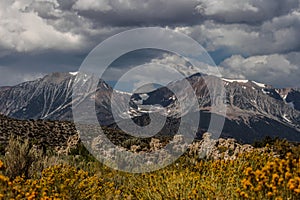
277	70
176	62
246	11
185	67
249	30
130	13
279	35
81	25
23	31
93	5
66	5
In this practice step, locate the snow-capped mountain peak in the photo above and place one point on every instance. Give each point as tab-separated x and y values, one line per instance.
253	109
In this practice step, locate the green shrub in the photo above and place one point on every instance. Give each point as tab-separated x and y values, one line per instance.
2	150
21	159
83	154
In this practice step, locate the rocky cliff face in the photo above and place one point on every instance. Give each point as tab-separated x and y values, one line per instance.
254	110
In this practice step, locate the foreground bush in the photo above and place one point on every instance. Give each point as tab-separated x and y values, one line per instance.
21	158
278	179
61	181
251	176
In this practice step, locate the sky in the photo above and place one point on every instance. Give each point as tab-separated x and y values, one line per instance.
250	39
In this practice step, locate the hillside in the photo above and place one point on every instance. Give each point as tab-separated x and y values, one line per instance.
254	110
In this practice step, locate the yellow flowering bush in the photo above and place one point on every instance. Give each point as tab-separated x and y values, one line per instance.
57	182
278	179
253	175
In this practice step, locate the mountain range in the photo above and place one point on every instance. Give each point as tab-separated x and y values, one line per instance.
254	110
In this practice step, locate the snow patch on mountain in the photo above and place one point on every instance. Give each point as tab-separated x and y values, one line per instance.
144	97
122	92
259	84
235	80
285	118
265	92
284	97
73	73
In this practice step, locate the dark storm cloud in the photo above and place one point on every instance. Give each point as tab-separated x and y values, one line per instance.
66	4
85	23
129	60
141	13
279	35
41	36
19	67
37	61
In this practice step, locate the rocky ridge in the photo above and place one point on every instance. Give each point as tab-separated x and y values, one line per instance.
56	135
254	110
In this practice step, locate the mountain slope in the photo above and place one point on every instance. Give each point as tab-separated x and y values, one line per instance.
51	98
254	110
